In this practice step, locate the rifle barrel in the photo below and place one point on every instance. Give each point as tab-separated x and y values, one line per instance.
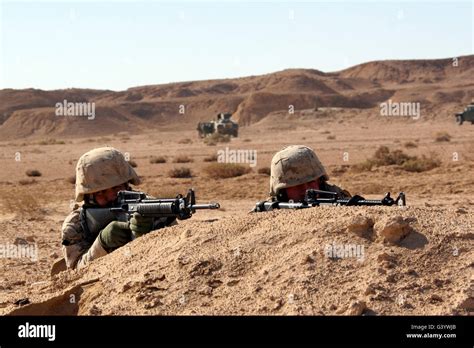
206	206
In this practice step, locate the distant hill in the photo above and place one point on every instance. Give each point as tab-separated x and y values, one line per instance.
437	84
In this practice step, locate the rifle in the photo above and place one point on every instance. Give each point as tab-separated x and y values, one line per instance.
312	199
95	219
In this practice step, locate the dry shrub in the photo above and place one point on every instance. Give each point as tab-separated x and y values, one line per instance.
331	137
215	138
421	164
410	145
181	172
33	172
442	136
212	158
264	170
159	159
365	166
225	170
384	157
51	141
183	159
36	151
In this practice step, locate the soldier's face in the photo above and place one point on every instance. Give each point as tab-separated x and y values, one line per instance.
297	193
105	197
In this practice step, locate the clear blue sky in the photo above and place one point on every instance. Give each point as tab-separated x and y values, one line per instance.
117	45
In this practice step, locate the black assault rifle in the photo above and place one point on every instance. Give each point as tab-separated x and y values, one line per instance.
94	219
312	199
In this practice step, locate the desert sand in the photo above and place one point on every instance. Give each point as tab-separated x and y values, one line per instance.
231	261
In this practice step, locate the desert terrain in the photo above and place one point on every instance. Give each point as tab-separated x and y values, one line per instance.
231	261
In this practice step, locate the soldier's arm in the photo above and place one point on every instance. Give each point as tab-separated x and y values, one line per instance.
77	251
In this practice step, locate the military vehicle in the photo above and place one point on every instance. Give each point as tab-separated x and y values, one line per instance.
222	125
205	129
466	115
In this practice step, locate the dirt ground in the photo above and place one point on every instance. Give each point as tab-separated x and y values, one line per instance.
233	262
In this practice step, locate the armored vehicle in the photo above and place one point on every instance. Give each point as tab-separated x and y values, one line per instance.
466	115
222	125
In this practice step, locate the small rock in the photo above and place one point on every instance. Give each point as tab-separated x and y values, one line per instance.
214	283
20	241
183	260
186	234
394	229
391	278
332	307
278	304
126	286
140	297
233	282
370	290
386	257
389	265
356	308
307	259
461	211
438	282
435	298
205	290
155	302
468	304
361	226
94	310
30	239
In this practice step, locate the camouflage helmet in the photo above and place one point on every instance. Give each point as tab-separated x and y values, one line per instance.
100	169
294	165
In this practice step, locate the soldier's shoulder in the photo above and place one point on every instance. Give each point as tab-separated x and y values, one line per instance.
71	229
73	217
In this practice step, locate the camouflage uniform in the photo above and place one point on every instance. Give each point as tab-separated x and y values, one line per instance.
297	165
96	170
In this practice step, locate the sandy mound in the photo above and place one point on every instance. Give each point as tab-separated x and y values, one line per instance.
332	260
405	71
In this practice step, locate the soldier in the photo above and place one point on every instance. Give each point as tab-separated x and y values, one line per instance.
295	169
100	174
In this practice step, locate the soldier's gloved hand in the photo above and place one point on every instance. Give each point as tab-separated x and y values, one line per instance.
140	224
115	235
